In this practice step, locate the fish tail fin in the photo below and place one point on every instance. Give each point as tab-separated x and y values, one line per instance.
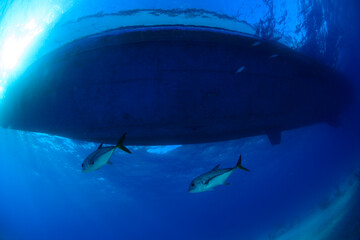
120	144
238	165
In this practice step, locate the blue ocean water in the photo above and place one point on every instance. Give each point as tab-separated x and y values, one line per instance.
304	188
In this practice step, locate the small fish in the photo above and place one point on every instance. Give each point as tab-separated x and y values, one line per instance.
240	69
214	178
256	44
274	56
102	156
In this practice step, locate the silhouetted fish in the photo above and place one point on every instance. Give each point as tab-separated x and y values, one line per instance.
215	177
102	156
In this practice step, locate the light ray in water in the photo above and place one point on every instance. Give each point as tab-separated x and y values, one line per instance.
19	34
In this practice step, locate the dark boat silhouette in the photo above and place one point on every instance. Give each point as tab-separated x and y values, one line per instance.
173	85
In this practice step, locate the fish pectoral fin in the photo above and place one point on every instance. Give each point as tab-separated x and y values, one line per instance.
207	181
110	163
216	167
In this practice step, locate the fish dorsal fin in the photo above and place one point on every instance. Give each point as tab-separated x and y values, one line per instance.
100	146
216	167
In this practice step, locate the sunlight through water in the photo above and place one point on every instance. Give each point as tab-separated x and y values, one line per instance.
20	31
306	187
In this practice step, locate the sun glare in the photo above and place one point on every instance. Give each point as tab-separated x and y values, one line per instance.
1	91
15	45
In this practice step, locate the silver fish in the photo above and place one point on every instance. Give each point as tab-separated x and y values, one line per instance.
274	56
214	178
240	69
102	156
256	44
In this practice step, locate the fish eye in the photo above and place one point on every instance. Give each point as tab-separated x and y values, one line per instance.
192	184
82	165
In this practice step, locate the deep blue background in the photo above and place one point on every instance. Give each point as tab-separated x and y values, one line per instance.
44	195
